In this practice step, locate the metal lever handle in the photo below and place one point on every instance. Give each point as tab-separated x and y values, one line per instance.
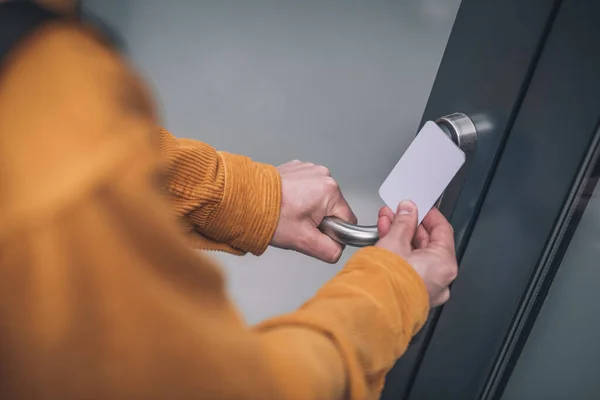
349	234
463	132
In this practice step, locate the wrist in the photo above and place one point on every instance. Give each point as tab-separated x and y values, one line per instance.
248	213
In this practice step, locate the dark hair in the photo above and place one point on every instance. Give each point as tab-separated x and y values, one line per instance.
109	35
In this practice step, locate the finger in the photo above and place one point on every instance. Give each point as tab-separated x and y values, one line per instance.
340	208
320	246
385	211
383	225
344	212
321	170
440	230
421	239
384	220
442	298
404	225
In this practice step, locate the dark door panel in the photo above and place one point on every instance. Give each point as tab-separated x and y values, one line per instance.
534	179
491	54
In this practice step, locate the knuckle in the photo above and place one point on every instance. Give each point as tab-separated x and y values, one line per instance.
323	170
331	184
441	298
452	275
451	272
402	221
445	296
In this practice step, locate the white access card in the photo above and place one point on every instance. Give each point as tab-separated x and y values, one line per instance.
424	171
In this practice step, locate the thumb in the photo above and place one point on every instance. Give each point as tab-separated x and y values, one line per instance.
404	224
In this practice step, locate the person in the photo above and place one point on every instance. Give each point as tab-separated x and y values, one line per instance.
102	294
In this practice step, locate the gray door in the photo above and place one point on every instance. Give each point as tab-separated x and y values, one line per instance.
486	71
348	84
522	322
539	229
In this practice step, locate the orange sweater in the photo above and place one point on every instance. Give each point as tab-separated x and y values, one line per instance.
99	295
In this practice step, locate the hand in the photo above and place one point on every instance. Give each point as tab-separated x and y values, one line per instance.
429	248
309	194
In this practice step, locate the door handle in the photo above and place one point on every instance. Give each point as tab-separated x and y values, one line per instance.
462	131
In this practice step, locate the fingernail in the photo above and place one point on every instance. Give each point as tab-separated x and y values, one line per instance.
406	207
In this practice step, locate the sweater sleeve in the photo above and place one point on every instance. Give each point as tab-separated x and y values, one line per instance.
100	298
370	311
103	300
227	202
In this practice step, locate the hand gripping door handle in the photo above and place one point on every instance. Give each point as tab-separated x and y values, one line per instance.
463	132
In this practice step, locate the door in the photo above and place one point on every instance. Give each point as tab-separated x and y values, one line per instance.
522	321
345	84
486	71
538	231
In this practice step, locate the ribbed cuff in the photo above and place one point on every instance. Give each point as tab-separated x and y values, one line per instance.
250	205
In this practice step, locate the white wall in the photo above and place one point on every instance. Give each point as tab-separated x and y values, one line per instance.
336	82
